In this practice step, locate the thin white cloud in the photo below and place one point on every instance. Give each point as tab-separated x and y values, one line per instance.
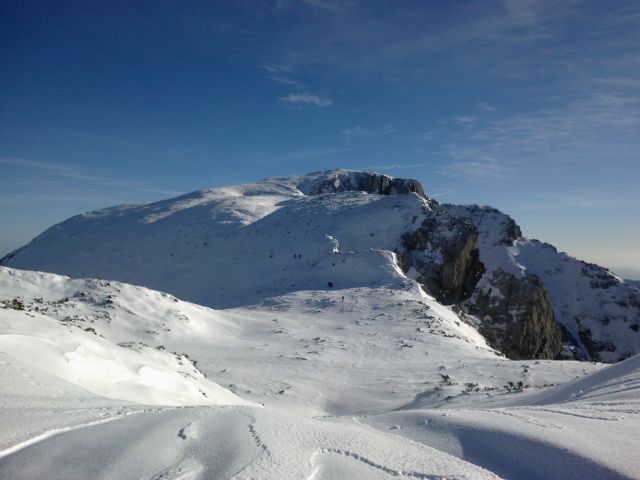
478	169
360	131
280	74
525	39
51	168
357	131
70	172
399	166
51	198
597	127
310	153
464	119
485	106
306	99
587	199
332	6
441	194
524	12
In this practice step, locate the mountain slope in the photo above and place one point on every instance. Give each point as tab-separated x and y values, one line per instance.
229	247
240	245
95	335
383	384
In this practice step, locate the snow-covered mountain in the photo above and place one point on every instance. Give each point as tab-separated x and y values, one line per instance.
244	244
331	326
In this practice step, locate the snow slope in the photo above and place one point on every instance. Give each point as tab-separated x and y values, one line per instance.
56	332
347	388
233	246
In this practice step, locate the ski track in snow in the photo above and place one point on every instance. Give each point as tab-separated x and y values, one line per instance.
51	433
382	468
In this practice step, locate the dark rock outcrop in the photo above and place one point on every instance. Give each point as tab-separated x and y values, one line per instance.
594	346
445	256
366	182
515	313
517	316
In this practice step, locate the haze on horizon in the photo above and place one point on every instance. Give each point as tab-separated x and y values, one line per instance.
532	107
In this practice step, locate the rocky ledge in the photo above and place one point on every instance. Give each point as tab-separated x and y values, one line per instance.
348	181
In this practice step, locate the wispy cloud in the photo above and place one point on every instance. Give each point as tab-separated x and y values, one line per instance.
400	166
311	153
73	173
280	74
478	169
464	119
531	41
71	199
361	37
51	168
306	99
360	131
485	106
598	125
442	193
587	199
331	6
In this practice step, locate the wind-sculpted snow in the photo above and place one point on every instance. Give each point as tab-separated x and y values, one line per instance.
80	337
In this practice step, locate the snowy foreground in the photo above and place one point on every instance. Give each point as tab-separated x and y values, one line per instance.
106	380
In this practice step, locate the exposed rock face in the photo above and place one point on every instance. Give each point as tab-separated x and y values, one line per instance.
366	182
444	254
595	348
599	313
515	313
517	316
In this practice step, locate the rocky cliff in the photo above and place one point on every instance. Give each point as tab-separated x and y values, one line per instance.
598	313
369	182
514	313
516	316
452	273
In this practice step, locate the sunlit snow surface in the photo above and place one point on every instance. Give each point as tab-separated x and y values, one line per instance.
288	377
385	384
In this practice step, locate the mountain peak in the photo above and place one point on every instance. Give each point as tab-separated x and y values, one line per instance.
335	181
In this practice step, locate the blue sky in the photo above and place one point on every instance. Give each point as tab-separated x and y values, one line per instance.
530	106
